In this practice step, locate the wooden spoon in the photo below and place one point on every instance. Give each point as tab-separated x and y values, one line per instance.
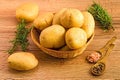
100	66
106	46
99	54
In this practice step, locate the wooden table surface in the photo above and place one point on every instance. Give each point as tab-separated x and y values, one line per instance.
51	68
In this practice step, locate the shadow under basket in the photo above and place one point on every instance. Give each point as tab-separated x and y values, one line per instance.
57	53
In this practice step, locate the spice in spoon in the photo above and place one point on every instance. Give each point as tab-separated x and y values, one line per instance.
98	69
93	57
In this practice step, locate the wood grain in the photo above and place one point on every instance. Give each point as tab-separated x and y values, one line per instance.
51	68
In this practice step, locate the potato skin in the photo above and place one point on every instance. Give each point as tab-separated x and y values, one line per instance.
65	48
75	38
72	18
52	37
89	24
22	61
27	11
43	21
56	18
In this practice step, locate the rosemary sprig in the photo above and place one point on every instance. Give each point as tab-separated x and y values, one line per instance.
20	38
102	16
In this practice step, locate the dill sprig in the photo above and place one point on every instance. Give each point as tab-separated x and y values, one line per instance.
20	38
101	15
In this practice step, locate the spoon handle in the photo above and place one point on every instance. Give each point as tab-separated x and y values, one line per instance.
107	53
107	45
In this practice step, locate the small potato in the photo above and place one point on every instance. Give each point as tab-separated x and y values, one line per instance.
71	18
56	18
43	21
75	38
27	11
89	24
65	48
53	37
22	61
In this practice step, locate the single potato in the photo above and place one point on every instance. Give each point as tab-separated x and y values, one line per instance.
65	48
22	61
43	21
75	38
27	11
89	24
56	18
71	18
52	37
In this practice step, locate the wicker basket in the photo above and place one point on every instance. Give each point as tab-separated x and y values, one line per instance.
57	53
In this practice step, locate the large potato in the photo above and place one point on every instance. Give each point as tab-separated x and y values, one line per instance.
75	38
72	18
22	61
27	11
56	18
43	21
89	23
52	37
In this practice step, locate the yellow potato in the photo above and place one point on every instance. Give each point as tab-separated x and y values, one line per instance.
56	18
75	38
52	37
43	21
89	23
65	48
72	18
22	61
27	11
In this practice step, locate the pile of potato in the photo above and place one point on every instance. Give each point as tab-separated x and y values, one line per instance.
66	29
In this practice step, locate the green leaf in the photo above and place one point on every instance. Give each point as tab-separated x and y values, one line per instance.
20	38
101	15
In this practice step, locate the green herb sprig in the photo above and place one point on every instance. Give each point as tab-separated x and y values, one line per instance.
102	16
20	38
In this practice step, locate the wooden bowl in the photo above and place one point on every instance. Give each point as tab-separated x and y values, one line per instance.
57	53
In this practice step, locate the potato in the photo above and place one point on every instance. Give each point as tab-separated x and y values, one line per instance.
56	18
52	37
75	38
72	18
65	48
43	21
89	24
22	61
27	11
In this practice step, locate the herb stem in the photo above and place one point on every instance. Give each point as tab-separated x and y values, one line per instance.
20	38
101	15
